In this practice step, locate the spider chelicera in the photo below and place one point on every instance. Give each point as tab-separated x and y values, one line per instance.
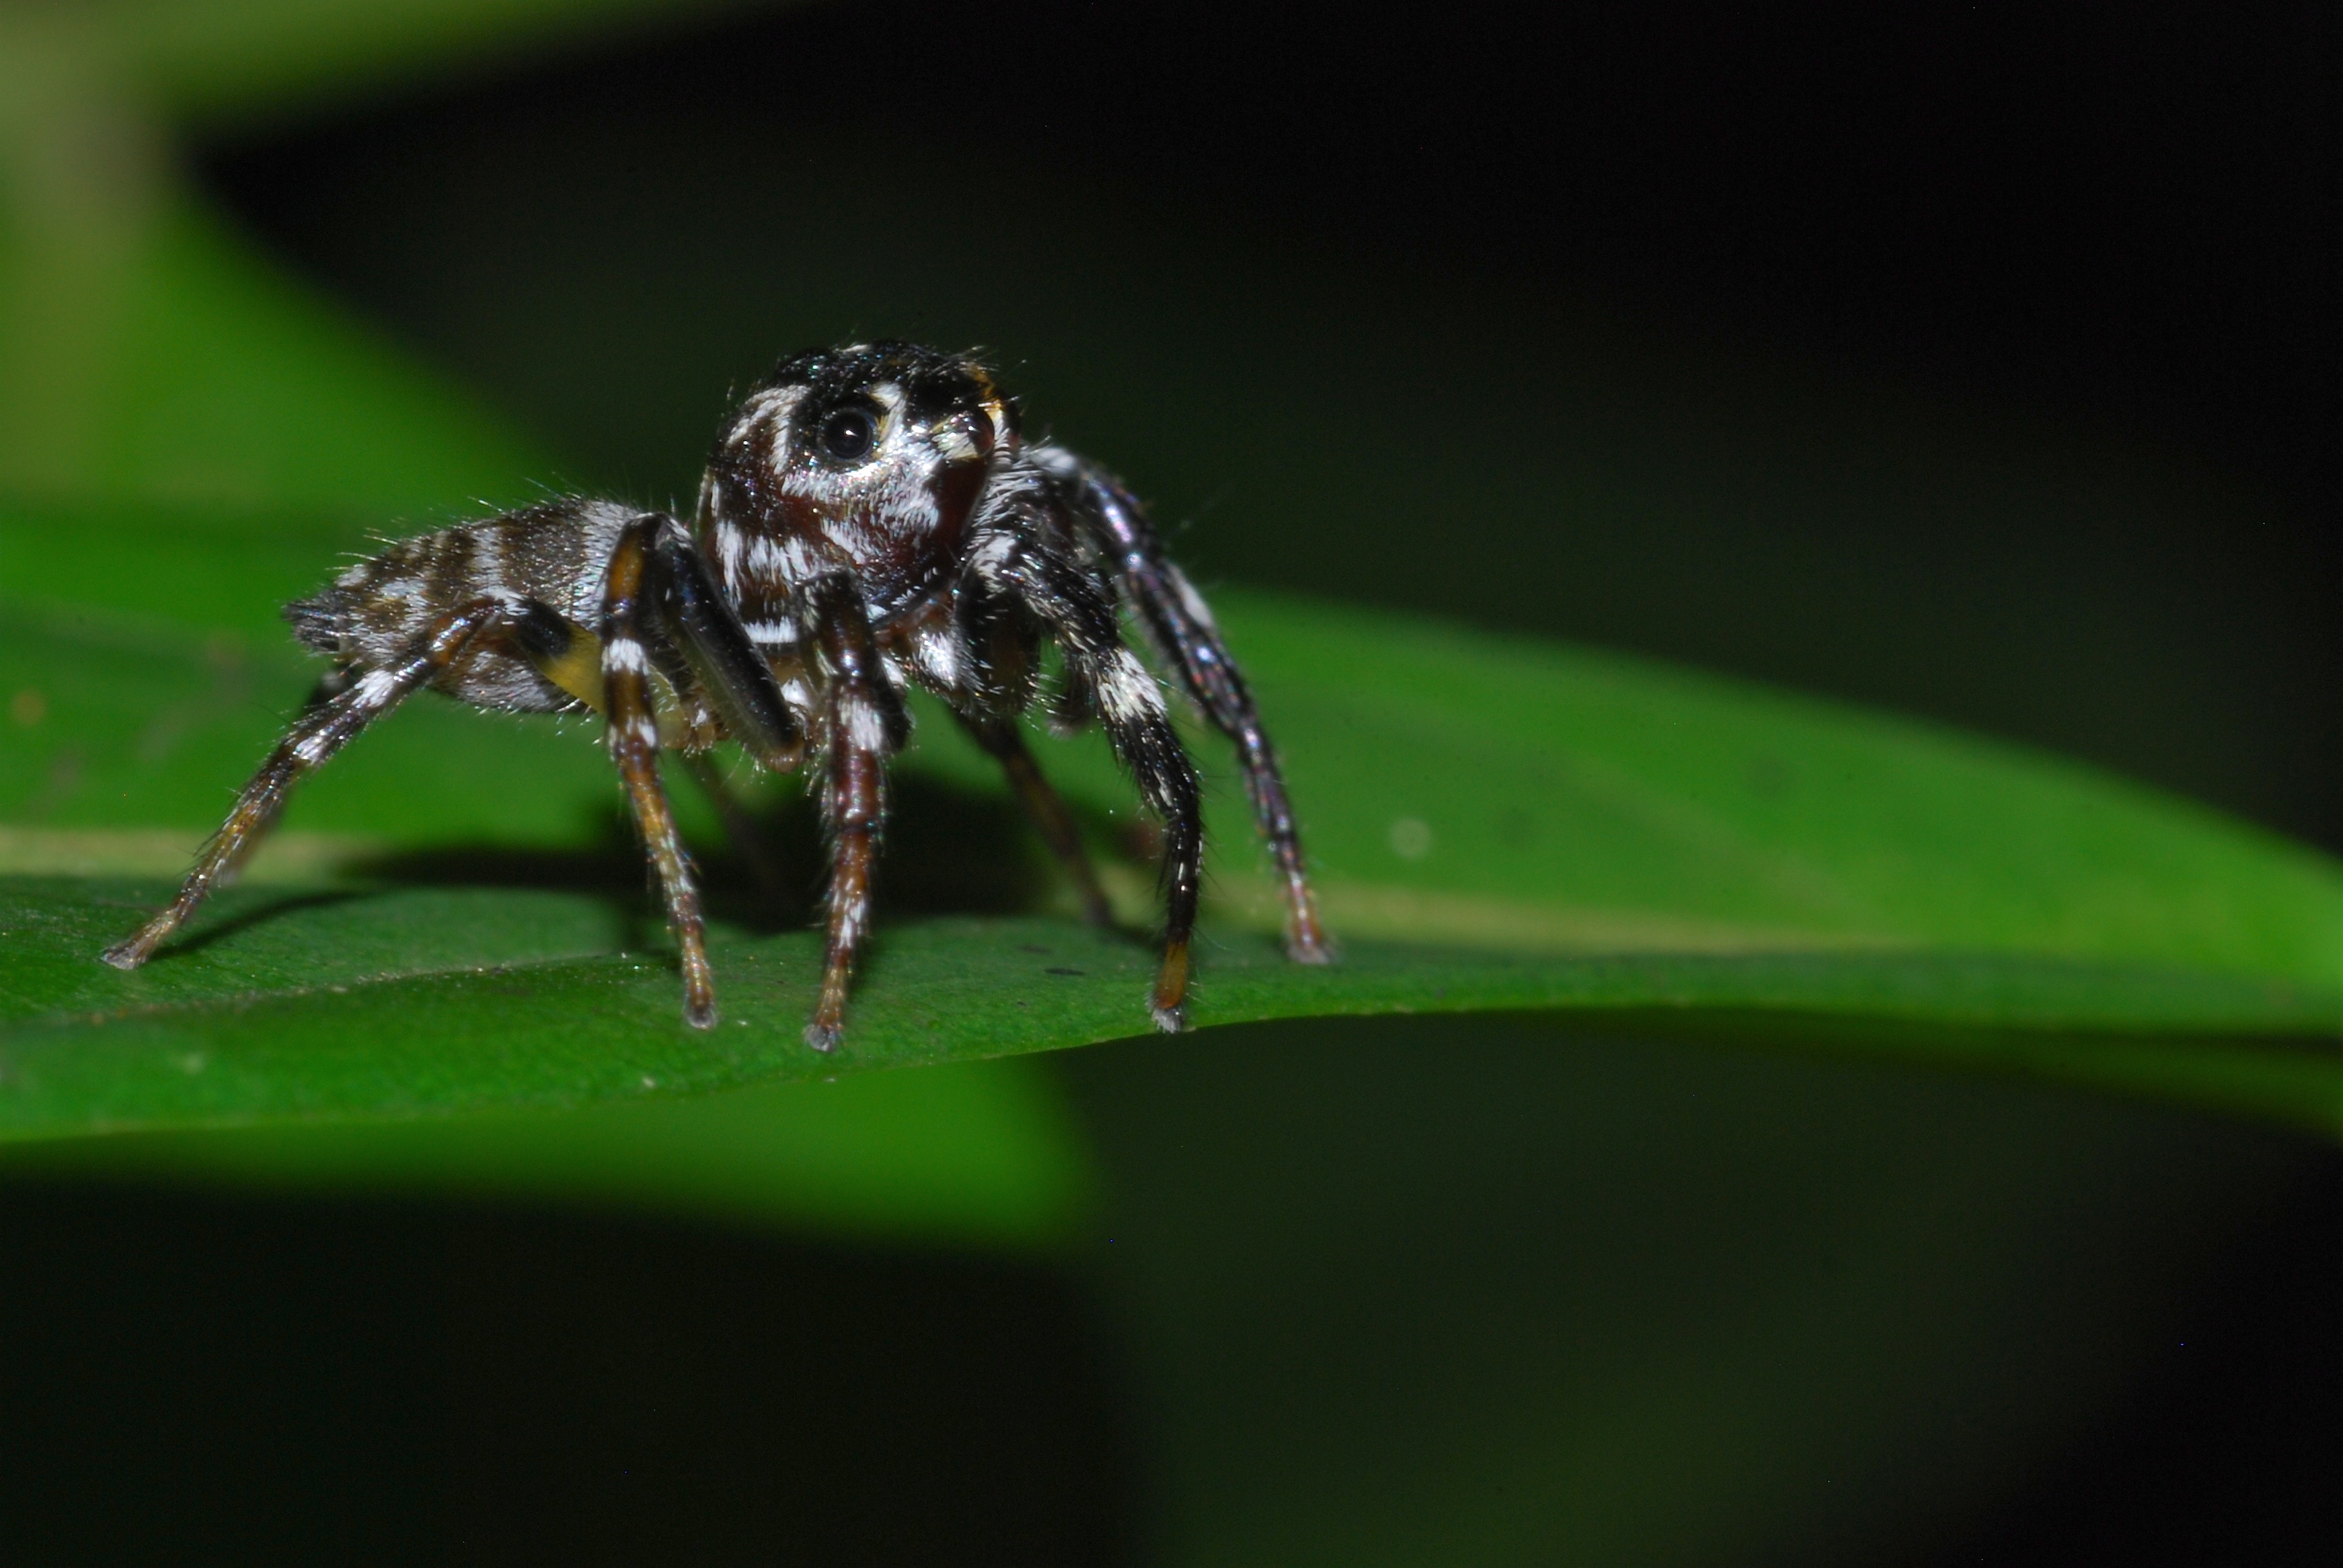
870	518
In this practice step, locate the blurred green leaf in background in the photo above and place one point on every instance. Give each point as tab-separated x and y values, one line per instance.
443	979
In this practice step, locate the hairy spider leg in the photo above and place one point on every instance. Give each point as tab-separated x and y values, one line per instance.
865	725
336	712
1182	631
633	734
1002	742
1079	616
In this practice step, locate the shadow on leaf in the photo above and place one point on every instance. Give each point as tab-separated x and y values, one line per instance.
949	850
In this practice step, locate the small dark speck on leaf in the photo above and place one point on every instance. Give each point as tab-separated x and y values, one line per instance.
1032	948
1054	970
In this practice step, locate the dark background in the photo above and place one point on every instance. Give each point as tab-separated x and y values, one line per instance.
1968	360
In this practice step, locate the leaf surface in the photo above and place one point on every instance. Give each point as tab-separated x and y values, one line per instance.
1499	825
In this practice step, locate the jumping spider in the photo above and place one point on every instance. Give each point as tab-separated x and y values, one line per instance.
870	518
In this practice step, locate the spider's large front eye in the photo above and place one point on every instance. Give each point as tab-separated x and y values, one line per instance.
847	434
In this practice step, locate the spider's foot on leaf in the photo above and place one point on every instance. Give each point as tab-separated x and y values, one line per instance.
699	984
1310	948
134	950
1168	1004
823	1036
1306	942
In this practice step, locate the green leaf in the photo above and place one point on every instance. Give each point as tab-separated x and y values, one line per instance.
1499	825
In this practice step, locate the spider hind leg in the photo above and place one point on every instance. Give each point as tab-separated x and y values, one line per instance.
341	707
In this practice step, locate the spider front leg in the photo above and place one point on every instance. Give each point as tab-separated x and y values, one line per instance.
1181	626
865	725
1079	613
340	707
633	735
656	580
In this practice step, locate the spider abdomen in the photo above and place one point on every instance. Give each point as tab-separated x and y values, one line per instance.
546	564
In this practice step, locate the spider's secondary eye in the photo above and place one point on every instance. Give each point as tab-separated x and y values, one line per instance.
847	434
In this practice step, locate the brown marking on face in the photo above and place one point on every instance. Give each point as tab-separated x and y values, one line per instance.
796	514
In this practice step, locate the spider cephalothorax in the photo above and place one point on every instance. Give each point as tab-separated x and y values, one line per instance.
877	453
870	518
